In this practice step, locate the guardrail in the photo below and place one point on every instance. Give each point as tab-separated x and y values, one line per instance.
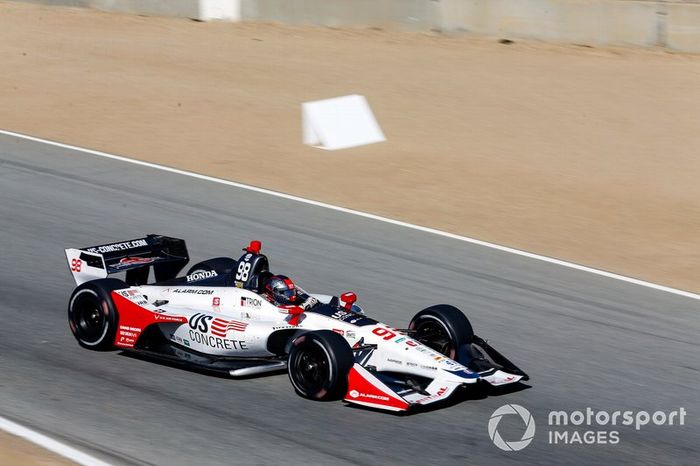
670	24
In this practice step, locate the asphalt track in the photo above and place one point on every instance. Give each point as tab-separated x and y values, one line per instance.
586	341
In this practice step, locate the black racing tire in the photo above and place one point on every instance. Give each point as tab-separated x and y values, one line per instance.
92	315
318	365
443	328
221	265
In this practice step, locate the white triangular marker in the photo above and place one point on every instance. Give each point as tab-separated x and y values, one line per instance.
339	123
219	10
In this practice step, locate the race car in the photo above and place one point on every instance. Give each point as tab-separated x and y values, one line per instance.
237	318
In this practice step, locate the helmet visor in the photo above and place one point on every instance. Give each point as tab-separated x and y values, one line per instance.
285	294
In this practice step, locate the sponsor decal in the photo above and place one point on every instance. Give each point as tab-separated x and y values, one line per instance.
133	329
350	334
217	342
430	368
119	246
412	364
204	274
339	331
437	395
356	394
216	302
215	325
164	318
389	334
200	322
128	335
351	317
192	291
220	327
426	350
373	396
340	315
251	302
395	361
137	260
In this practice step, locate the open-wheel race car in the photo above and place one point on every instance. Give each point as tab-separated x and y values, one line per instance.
237	318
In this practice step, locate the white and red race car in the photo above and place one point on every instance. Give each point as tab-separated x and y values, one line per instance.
218	318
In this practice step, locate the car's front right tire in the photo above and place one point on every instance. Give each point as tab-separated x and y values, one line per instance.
318	365
92	315
443	328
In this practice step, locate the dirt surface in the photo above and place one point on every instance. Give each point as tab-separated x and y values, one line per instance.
590	155
15	451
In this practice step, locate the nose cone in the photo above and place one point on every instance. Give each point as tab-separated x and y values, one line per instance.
459	375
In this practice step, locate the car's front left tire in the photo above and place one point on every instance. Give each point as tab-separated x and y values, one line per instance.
318	365
92	315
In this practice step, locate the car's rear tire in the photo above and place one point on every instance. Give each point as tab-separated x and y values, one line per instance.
318	365
443	328
221	265
92	315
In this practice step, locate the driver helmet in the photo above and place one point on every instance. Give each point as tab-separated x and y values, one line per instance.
281	289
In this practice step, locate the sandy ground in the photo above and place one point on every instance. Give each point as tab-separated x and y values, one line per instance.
589	155
15	451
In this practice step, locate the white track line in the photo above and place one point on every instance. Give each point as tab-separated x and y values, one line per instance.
433	231
50	444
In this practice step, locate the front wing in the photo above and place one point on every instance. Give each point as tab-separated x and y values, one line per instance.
401	392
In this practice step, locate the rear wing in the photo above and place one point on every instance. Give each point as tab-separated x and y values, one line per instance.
166	255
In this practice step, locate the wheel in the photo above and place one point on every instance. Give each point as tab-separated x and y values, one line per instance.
218	264
443	328
318	365
92	315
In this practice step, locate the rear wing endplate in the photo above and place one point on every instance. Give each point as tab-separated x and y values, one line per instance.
166	255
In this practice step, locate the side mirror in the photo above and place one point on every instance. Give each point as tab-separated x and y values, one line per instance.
347	300
295	312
